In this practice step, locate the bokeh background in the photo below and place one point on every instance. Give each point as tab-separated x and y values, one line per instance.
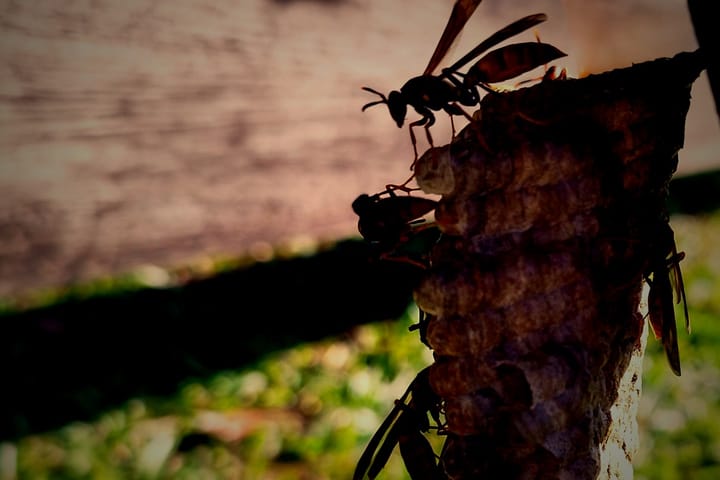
182	286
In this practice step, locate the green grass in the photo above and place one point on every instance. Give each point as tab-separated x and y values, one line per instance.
308	412
303	413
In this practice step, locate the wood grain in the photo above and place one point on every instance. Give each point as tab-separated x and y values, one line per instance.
148	132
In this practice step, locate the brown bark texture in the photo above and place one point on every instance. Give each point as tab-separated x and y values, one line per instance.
552	217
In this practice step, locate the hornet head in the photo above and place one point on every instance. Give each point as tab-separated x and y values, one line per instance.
396	104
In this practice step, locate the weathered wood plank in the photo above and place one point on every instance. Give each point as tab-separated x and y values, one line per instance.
149	132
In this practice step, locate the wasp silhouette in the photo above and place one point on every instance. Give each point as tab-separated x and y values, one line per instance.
404	426
450	89
664	266
385	218
394	225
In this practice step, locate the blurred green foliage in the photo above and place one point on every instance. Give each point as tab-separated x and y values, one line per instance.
678	417
303	413
308	412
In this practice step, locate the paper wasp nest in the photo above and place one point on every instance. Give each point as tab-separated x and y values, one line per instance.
553	215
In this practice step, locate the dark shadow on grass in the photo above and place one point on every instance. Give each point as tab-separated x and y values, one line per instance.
73	360
695	194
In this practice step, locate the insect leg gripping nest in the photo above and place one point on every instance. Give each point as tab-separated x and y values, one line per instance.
553	215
